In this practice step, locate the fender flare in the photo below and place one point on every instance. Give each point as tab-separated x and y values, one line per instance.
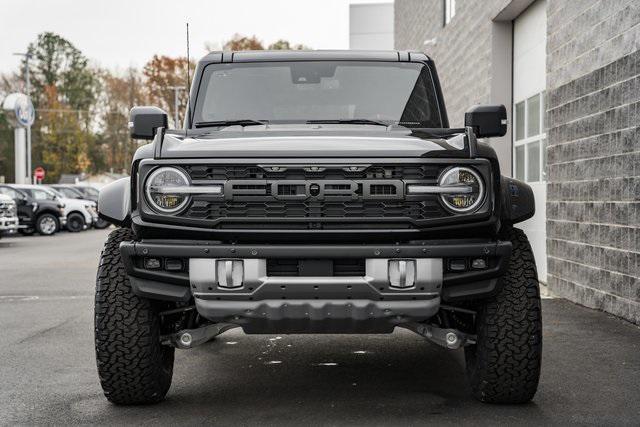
518	202
114	202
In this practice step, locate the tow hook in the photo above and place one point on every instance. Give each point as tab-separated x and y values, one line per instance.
189	338
447	338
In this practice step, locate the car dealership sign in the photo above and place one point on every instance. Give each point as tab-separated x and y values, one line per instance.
19	109
20	113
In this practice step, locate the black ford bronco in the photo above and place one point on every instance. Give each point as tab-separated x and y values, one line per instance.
317	192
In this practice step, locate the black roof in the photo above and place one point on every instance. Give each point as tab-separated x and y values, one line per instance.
310	55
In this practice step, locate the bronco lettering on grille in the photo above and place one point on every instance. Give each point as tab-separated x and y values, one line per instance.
314	189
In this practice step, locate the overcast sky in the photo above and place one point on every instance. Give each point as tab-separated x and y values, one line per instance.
122	33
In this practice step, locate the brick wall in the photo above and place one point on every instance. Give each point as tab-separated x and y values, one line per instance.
593	117
462	50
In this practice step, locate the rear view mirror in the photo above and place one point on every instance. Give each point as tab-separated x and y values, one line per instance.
143	122
487	120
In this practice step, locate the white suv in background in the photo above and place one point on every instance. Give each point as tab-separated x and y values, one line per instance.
81	214
8	215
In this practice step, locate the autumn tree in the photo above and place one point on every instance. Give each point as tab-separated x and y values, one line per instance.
162	73
114	146
62	135
285	45
240	42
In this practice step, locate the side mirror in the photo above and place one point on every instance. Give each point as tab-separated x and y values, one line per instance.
143	122
487	120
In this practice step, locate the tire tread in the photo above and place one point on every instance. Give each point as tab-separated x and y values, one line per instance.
504	365
133	366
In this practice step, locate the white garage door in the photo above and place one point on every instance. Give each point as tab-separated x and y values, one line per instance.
529	134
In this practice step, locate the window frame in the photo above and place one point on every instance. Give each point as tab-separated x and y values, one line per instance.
540	137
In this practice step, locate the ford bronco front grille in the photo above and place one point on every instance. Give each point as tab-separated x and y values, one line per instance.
288	191
313	196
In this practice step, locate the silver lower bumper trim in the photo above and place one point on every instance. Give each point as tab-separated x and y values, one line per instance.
392	291
207	274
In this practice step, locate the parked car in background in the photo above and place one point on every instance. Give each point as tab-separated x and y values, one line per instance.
74	192
37	210
8	215
80	213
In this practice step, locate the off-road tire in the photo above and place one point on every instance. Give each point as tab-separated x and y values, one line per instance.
504	365
134	367
44	231
75	222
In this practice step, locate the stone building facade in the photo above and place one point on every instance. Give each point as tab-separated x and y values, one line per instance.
578	62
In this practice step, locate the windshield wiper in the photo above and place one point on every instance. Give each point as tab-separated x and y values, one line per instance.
349	122
239	122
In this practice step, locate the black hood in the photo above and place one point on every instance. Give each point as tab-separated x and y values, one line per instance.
308	141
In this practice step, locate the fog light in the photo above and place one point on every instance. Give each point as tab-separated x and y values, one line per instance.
152	263
230	273
479	264
402	273
457	264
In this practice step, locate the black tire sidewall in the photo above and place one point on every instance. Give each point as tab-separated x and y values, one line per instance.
75	217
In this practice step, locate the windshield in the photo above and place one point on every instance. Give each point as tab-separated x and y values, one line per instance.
297	92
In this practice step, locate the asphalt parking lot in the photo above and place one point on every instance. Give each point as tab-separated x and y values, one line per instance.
591	372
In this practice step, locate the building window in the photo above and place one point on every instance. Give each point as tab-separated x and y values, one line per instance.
530	140
449	10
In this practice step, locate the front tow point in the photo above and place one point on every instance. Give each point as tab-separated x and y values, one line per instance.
452	340
189	338
447	338
186	339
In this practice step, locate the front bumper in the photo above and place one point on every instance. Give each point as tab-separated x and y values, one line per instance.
9	224
231	283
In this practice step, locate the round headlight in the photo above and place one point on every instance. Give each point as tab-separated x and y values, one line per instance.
162	189
467	189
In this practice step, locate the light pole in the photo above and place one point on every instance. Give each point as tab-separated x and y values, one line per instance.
27	89
176	89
